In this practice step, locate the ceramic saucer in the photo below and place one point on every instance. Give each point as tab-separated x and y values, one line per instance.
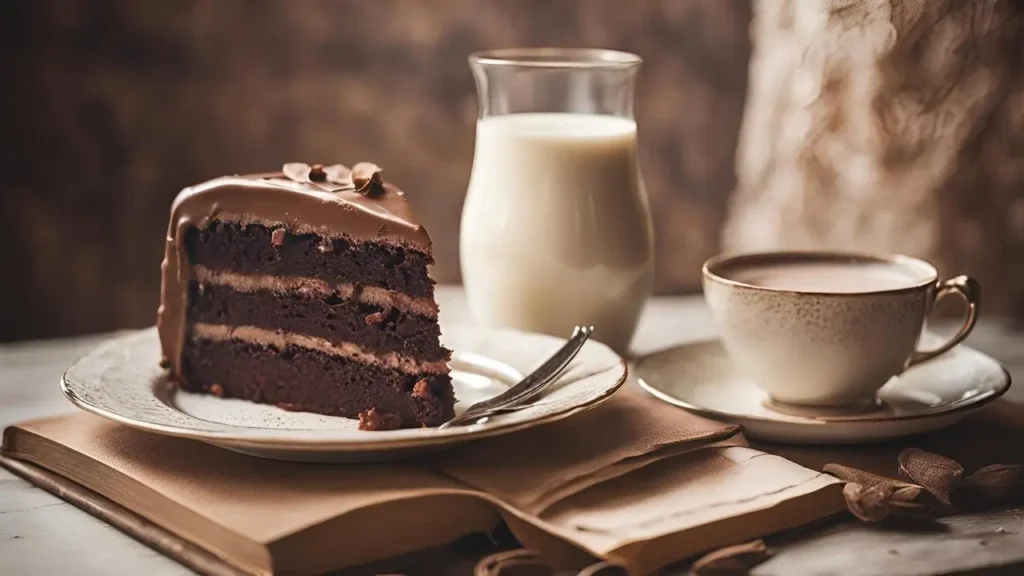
932	395
121	380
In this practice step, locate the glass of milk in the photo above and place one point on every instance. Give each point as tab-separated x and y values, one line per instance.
556	228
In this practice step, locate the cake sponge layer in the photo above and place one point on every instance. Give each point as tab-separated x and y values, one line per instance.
374	328
255	248
298	378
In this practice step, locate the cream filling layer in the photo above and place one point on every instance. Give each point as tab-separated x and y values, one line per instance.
348	350
314	286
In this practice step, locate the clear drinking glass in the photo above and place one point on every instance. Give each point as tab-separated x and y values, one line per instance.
556	228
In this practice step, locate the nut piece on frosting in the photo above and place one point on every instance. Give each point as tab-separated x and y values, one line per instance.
339	174
297	171
305	173
367	179
316	173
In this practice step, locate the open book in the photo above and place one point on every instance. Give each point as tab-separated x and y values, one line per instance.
635	481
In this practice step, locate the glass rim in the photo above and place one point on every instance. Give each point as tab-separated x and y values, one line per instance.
550	57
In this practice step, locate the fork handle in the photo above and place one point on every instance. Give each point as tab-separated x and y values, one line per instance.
561	359
539	376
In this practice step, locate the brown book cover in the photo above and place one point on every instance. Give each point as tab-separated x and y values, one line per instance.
636	482
188	554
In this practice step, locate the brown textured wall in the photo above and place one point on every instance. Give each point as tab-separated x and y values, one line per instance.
109	107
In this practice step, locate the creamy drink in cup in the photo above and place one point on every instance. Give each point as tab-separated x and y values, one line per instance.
828	328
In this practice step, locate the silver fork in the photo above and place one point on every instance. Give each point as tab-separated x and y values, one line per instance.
530	386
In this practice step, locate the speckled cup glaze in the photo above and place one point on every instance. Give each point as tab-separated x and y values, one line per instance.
823	348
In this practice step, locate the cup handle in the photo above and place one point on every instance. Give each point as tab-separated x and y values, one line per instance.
968	289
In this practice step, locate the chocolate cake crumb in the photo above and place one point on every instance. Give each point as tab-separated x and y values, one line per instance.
277	237
371	420
421	389
289	406
217	390
375	318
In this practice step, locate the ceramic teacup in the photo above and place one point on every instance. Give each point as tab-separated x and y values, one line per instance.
827	329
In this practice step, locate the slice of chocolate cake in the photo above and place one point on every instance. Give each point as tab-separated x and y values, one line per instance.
308	289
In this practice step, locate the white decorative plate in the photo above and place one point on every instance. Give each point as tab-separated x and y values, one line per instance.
701	378
122	381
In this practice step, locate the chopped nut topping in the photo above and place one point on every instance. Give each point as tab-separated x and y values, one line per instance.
339	174
297	171
367	178
375	318
217	390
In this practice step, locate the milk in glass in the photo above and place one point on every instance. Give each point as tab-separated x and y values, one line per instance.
556	229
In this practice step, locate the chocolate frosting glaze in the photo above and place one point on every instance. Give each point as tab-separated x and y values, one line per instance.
317	200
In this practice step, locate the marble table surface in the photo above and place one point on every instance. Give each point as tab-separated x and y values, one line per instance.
41	534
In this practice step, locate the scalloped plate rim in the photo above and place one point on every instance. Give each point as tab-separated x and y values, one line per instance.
321	440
